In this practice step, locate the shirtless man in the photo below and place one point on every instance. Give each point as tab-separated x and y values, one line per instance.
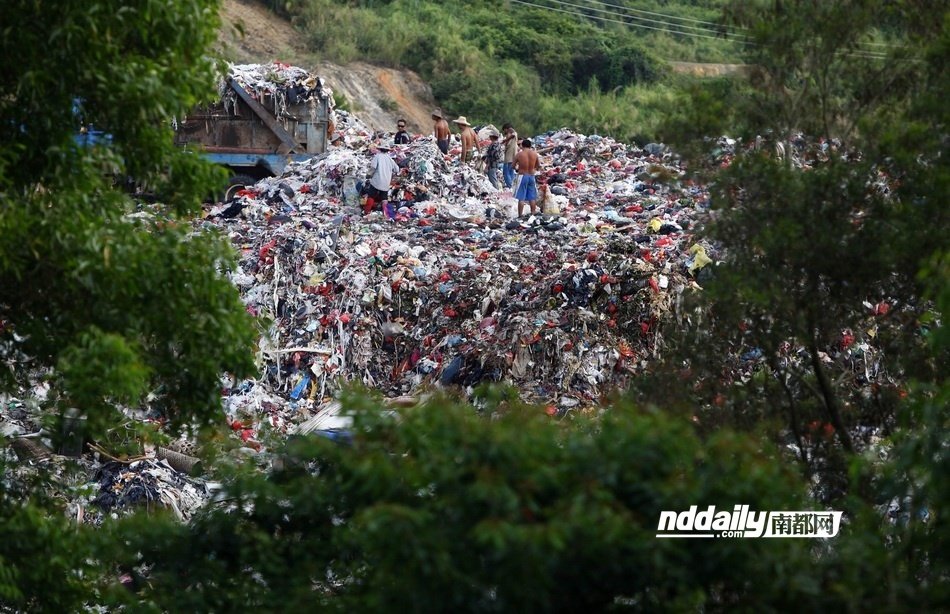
441	131
527	164
469	139
511	150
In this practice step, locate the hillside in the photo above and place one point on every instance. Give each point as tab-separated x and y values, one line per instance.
251	33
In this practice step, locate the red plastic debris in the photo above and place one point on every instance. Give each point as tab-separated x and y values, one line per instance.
655	285
264	252
847	340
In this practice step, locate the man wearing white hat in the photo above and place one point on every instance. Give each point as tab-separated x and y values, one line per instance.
469	139
383	169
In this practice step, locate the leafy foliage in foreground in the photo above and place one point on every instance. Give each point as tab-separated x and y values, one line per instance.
111	301
824	257
105	301
440	508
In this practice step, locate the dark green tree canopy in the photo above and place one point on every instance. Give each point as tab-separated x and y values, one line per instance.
107	304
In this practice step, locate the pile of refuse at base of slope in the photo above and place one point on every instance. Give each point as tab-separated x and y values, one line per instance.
446	288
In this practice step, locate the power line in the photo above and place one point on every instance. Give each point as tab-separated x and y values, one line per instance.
857	53
607	19
645	12
690	19
644	19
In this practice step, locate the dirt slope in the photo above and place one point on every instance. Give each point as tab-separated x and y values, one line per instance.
251	33
708	70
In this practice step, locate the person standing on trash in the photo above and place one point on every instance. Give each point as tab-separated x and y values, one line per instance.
511	150
383	168
401	137
469	140
440	131
527	164
493	156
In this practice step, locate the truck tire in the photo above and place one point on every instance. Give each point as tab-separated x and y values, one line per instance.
236	184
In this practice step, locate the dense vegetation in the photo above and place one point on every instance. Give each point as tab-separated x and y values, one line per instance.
102	306
540	67
503	509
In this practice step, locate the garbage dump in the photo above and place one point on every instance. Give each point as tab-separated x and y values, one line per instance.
441	286
445	287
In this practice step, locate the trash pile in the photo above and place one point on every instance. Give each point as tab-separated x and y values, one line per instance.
277	83
89	483
444	287
150	483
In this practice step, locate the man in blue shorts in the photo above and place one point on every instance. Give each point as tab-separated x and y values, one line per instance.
527	164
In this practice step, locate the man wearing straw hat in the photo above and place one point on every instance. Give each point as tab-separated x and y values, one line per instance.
441	131
469	139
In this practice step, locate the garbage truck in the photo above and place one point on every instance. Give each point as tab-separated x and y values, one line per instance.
267	115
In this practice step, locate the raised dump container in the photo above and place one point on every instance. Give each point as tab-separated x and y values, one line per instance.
267	116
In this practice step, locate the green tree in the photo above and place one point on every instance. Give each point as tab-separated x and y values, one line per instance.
807	246
104	297
440	508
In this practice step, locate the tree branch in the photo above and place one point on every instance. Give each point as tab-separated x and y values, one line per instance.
828	396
